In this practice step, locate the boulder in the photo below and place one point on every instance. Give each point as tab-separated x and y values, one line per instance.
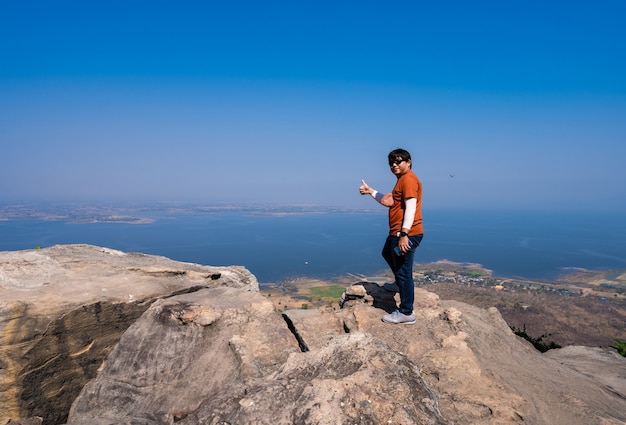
457	365
483	373
63	309
218	356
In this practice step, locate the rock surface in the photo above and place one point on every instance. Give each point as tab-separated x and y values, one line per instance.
203	349
63	309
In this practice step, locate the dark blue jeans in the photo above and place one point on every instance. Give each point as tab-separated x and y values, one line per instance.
402	268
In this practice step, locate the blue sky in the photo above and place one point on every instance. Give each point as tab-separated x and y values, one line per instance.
293	102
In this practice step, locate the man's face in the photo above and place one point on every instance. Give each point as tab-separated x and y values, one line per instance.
399	166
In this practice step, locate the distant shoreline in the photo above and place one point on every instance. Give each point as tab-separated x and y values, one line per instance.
606	284
144	214
115	219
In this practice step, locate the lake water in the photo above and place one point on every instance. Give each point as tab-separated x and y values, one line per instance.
325	245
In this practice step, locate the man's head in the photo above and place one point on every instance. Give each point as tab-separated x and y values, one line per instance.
399	161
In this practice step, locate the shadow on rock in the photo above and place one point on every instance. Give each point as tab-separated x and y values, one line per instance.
370	292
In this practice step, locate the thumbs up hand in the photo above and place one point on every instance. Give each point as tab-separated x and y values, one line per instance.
364	189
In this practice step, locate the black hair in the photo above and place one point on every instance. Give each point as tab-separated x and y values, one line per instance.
399	153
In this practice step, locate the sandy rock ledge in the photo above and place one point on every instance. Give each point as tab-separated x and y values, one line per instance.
135	339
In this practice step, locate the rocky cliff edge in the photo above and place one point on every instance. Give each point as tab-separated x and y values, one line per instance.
136	339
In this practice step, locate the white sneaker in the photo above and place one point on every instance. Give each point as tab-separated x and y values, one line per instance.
398	318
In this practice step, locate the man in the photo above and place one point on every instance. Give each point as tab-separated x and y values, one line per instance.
405	231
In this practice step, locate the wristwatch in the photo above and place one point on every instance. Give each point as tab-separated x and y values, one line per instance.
400	234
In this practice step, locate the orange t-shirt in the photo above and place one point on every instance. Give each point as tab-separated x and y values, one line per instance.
407	186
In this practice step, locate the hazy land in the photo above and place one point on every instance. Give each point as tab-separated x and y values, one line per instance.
91	212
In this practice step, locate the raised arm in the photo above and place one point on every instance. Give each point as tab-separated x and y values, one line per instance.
386	200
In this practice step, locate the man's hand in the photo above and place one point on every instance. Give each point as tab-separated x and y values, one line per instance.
404	244
365	189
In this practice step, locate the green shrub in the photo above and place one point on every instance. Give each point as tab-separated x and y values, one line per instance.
620	347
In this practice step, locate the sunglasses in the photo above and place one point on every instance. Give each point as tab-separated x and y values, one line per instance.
396	162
